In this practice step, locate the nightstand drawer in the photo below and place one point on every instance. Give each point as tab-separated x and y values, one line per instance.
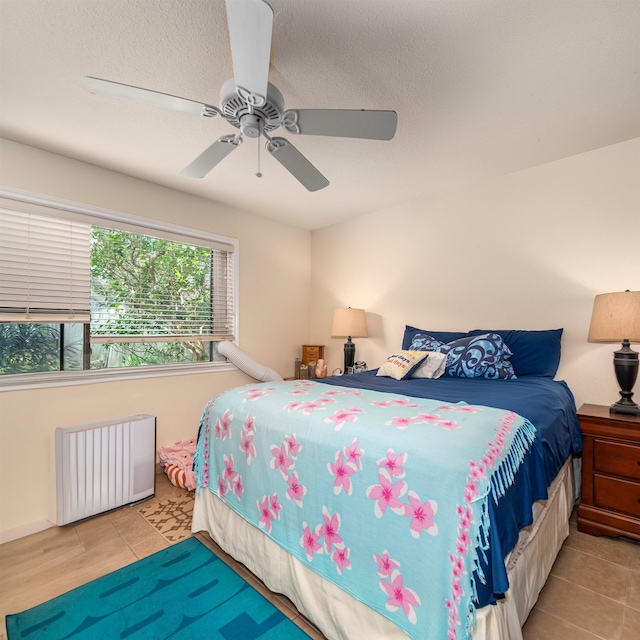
616	457
312	353
616	494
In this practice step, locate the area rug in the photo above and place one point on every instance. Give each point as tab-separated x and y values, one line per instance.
171	518
184	591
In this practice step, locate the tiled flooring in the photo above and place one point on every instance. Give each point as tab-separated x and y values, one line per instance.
593	591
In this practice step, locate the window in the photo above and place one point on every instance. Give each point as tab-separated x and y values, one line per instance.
84	289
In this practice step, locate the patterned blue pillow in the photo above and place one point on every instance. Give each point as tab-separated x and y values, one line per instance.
481	356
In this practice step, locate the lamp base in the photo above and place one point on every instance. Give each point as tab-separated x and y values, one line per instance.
625	364
630	409
349	355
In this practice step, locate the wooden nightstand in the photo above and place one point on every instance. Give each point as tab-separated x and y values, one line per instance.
610	473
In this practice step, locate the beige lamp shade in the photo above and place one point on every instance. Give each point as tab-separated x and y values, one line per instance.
616	317
349	323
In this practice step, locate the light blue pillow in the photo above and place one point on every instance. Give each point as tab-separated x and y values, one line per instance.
480	356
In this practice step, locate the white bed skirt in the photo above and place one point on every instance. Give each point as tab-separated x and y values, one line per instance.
341	617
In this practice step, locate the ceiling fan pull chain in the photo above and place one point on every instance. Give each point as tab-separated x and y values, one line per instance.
258	173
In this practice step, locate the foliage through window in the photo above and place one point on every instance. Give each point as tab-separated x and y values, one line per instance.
155	299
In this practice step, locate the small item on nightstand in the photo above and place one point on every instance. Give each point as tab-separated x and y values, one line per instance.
297	368
312	369
304	372
321	369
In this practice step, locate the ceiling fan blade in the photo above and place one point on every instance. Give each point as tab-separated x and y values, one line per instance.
211	156
118	90
342	123
294	162
250	24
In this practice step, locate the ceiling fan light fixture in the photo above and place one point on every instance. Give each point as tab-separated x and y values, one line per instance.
250	125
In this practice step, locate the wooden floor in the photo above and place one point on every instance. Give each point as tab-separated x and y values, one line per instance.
593	592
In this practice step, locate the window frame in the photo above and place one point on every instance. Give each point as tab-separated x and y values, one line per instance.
45	205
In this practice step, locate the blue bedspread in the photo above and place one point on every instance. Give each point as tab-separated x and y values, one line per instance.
391	497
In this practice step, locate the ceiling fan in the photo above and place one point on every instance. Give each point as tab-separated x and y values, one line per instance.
254	106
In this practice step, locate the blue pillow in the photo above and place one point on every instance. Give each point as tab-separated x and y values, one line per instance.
443	336
479	356
535	353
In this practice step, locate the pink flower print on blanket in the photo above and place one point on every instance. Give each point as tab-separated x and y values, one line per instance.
230	480
284	459
395	402
309	406
437	420
254	394
402	422
394	463
392	584
296	490
246	438
387	494
343	392
354	454
269	509
309	541
333	544
329	530
281	459
462	408
386	566
342	471
223	426
341	559
292	446
421	514
342	416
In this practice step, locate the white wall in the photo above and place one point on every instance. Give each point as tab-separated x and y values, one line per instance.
529	250
274	311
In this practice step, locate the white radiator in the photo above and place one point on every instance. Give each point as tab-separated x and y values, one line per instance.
104	465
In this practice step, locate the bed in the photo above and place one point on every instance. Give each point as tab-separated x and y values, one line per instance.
395	506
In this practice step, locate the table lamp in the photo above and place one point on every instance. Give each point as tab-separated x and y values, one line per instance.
616	318
349	323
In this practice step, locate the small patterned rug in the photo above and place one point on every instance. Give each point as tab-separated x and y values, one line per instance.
172	517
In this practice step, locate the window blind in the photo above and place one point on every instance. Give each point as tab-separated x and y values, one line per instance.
45	268
195	305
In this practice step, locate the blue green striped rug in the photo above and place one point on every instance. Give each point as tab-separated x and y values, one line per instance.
184	591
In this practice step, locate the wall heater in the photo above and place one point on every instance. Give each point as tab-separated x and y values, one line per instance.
104	465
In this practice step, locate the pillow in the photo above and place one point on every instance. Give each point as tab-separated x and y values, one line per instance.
479	356
432	366
535	353
401	364
443	336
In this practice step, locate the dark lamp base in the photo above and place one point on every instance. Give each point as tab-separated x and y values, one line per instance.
629	409
349	356
625	364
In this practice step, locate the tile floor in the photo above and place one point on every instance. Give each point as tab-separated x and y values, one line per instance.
593	592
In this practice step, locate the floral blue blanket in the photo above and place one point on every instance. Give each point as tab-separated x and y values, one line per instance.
384	495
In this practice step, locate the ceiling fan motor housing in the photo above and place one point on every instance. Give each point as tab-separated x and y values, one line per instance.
251	119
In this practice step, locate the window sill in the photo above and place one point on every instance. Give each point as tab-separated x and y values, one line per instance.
69	378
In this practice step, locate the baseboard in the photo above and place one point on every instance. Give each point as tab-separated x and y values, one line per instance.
24	530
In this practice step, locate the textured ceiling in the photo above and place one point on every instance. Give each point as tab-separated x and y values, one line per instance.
481	88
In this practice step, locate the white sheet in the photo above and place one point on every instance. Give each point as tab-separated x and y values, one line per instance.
341	617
